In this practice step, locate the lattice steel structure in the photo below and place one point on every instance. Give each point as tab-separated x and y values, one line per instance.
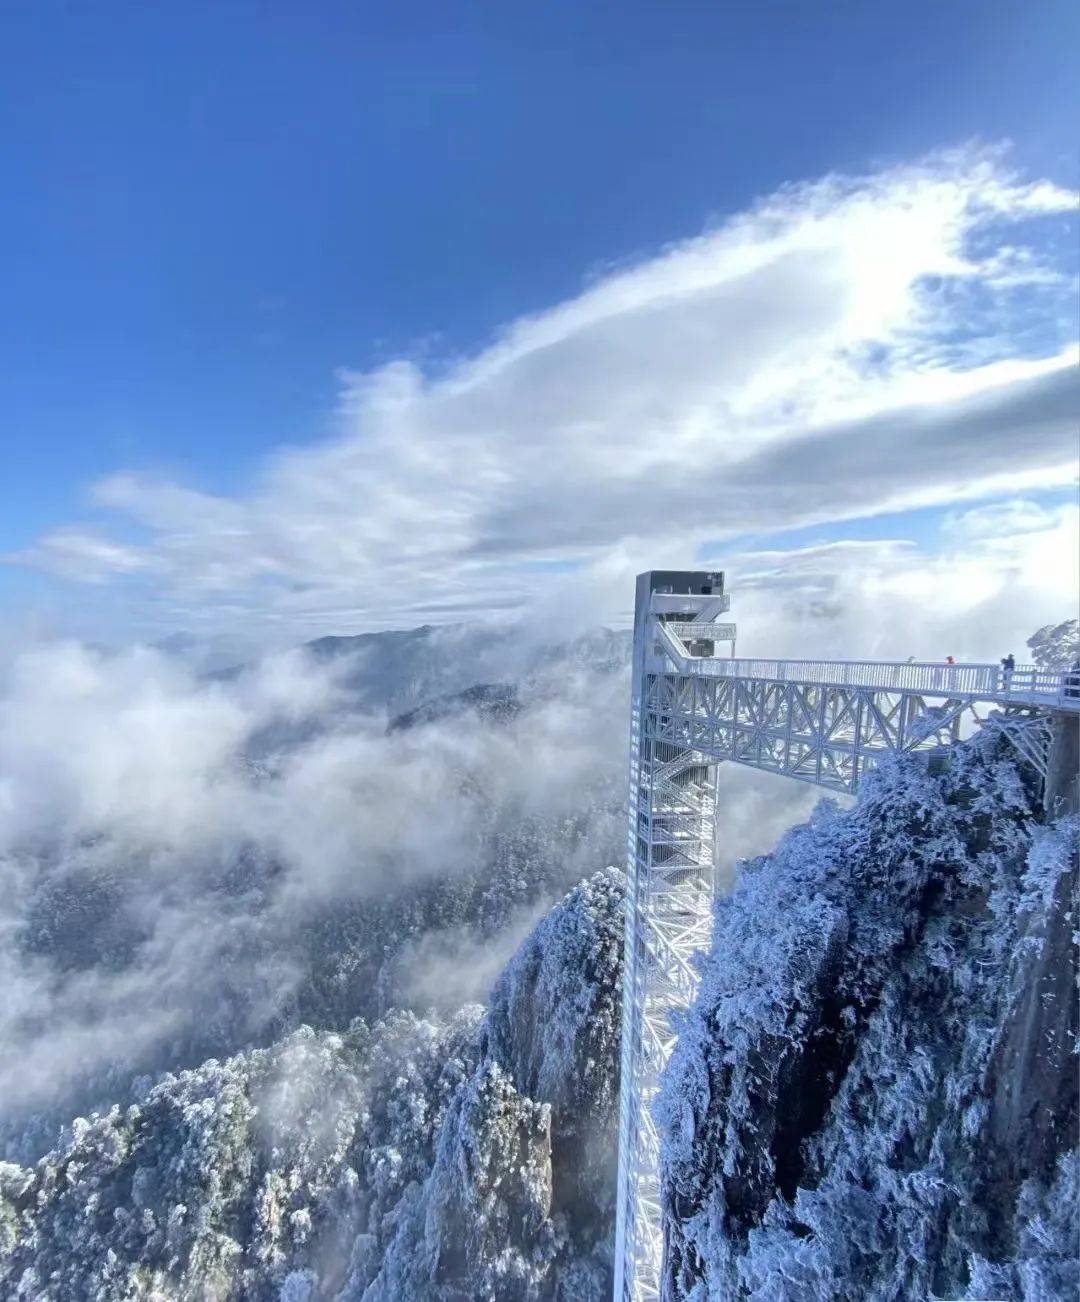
825	722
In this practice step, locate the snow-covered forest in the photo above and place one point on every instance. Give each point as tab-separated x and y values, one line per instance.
312	971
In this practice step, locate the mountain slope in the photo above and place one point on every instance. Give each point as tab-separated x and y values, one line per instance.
408	1160
519	1201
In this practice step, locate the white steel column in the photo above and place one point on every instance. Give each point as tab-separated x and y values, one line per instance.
669	905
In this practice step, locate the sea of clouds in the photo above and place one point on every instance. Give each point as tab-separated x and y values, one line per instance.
170	842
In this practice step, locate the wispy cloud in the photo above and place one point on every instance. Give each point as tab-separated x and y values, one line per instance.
844	348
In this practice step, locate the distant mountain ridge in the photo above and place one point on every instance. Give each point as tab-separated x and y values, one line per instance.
494	702
401	669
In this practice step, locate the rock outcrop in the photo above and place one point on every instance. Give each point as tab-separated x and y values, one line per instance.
519	1201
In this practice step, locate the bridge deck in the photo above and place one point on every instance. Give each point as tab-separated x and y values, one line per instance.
1025	685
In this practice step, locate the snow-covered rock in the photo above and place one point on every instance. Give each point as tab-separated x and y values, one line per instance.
874	1097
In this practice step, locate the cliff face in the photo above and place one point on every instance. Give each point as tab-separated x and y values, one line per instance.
519	1200
875	1095
407	1160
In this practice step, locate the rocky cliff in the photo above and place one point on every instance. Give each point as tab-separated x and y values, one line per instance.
875	1097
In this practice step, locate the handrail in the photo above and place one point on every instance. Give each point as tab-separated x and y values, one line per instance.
693	630
1026	684
908	675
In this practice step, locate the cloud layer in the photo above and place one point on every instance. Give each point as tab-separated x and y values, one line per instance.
1001	572
177	855
171	848
845	348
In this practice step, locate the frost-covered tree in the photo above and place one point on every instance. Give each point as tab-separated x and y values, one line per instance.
1056	647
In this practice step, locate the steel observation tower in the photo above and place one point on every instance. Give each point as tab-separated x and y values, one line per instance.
694	706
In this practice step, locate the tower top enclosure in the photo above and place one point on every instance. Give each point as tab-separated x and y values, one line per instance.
698	583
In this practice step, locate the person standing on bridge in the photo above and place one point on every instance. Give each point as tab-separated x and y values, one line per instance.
950	660
1008	664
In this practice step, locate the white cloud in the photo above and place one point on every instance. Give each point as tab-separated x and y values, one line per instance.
77	554
132	792
1003	573
1005	519
798	364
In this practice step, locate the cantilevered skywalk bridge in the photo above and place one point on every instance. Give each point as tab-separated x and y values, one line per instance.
821	721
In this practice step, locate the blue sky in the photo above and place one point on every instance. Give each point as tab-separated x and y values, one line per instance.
214	209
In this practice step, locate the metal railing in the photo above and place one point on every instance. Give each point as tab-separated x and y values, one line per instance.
1024	684
691	630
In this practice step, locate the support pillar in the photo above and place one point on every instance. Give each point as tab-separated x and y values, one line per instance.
668	913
